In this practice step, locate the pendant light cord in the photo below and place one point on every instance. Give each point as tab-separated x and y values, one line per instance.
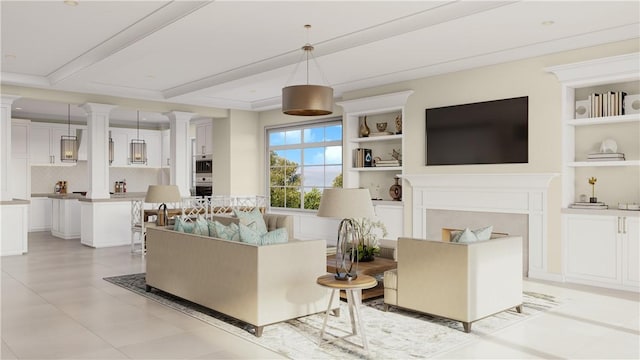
68	119
138	126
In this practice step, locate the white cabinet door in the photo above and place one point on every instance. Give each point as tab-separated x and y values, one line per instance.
120	147
40	214
153	140
55	216
392	218
593	248
166	148
631	251
204	139
40	145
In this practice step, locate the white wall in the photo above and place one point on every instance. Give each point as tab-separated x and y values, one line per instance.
245	170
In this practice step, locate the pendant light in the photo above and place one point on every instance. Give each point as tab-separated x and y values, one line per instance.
307	100
138	148
68	143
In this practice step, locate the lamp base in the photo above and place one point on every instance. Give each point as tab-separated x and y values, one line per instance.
345	276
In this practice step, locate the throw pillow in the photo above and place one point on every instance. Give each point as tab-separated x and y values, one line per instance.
468	236
253	220
183	226
231	232
250	236
200	226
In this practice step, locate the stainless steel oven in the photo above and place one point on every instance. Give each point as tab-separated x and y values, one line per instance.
204	185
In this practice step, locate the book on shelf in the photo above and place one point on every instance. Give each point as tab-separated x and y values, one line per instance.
331	250
610	103
584	203
605	155
362	158
599	207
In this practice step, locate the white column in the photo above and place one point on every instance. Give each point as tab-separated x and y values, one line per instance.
179	139
98	149
5	147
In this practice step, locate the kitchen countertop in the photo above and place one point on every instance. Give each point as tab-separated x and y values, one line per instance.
119	197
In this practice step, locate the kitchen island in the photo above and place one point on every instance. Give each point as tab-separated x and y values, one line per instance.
107	222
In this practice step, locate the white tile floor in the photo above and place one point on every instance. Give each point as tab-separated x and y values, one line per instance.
56	305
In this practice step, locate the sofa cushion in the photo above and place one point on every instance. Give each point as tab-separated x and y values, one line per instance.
250	236
469	236
226	232
253	220
183	226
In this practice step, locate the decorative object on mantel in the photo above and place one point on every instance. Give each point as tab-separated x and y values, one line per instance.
395	191
137	147
68	143
593	198
399	124
346	204
368	244
307	100
364	128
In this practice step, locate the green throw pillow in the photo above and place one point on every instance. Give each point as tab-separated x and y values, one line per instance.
200	226
231	232
469	236
254	220
250	236
183	226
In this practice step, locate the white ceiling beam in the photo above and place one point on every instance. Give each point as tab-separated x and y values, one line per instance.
157	20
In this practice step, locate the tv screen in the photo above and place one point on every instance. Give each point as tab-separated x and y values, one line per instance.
489	132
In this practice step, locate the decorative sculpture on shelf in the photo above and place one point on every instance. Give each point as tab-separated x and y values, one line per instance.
593	198
399	124
364	128
395	191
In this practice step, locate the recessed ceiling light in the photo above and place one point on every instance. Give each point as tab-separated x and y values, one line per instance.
548	22
18	108
71	2
10	56
150	76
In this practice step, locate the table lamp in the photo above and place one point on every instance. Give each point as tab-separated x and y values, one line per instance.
346	204
162	194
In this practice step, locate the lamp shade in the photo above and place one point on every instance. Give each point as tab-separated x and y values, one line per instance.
162	194
342	203
307	100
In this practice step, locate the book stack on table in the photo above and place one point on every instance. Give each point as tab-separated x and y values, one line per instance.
589	205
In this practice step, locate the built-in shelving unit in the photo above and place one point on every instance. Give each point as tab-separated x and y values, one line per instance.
601	247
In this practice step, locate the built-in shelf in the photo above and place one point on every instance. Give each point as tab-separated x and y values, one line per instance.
377	138
381	168
604	163
605	120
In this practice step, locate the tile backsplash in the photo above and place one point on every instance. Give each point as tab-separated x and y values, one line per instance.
44	178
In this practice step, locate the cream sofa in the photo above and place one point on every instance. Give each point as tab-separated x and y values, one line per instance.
259	285
463	282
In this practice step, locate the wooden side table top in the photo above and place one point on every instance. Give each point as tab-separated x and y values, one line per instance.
378	266
361	282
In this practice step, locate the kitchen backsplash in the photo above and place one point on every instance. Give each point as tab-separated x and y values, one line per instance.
44	178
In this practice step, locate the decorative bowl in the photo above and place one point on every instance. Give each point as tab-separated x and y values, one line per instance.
381	126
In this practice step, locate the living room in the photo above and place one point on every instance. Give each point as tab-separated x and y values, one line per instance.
241	156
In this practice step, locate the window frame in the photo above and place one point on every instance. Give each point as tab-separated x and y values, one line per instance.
302	125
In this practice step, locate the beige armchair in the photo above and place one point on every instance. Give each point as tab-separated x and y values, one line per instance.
463	282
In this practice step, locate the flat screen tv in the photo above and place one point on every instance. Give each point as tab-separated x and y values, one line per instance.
489	132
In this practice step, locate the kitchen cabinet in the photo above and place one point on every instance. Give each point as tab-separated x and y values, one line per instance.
65	218
204	138
20	166
603	250
122	138
166	148
40	214
45	143
391	215
153	139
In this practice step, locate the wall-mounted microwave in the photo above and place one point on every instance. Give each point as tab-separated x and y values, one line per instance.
204	164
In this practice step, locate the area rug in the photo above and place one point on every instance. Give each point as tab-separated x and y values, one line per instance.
396	334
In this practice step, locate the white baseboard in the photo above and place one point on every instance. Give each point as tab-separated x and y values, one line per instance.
543	275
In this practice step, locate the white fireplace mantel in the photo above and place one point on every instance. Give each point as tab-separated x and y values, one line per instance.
513	193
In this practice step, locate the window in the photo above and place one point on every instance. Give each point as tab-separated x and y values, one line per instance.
303	161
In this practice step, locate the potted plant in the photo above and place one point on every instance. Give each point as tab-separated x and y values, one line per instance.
369	233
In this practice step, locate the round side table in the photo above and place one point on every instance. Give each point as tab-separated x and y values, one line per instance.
353	289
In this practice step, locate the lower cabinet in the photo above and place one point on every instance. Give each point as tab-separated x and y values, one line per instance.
40	214
602	250
65	219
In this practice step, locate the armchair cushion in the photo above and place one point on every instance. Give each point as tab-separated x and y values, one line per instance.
468	236
253	220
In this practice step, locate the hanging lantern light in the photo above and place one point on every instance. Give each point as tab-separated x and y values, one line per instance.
68	143
138	148
307	100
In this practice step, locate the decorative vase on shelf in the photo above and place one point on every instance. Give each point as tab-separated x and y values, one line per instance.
364	128
395	191
399	124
